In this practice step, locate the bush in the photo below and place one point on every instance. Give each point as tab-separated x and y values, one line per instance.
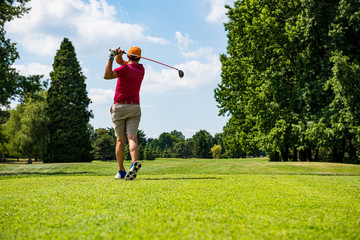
216	151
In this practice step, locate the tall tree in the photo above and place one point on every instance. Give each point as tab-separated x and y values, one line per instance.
68	113
183	149
103	142
12	84
283	72
345	82
11	129
25	129
8	77
104	147
203	141
166	140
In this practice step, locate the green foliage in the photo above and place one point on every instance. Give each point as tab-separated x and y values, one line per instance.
166	140
216	151
183	149
12	84
290	79
149	153
10	9
11	128
104	147
68	113
202	144
141	150
10	81
141	137
25	131
167	145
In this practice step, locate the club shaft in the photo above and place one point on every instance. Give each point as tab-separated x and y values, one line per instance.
155	61
160	63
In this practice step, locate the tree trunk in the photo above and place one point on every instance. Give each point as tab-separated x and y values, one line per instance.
277	156
285	153
3	157
342	152
352	152
316	155
302	156
335	154
308	155
338	155
294	154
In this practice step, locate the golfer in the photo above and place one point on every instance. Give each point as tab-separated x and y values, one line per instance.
126	112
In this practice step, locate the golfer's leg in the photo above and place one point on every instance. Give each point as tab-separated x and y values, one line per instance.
133	147
120	152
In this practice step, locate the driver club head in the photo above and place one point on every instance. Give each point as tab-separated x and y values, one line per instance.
181	73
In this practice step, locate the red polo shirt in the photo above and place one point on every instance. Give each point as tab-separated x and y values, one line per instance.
129	81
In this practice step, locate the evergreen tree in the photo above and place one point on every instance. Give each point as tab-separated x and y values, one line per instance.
104	147
148	153
203	141
68	113
183	149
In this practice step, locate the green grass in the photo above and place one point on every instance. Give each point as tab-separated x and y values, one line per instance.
181	199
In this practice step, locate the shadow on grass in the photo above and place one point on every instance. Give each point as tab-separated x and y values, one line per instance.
5	175
179	178
19	174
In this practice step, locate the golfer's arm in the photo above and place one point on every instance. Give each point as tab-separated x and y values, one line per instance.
120	60
109	73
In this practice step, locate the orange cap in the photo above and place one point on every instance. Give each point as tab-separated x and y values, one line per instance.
135	50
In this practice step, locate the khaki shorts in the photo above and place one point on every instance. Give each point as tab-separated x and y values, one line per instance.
126	119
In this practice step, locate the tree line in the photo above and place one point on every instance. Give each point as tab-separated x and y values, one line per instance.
290	84
51	122
168	145
291	79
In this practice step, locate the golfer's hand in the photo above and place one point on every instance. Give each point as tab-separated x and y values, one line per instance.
119	51
112	53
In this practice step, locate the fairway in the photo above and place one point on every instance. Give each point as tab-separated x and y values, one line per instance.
181	199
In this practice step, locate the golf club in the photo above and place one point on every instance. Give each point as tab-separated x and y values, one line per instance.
181	73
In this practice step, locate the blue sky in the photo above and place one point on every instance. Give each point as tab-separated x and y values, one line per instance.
187	34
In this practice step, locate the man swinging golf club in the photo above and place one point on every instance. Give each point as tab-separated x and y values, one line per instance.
126	112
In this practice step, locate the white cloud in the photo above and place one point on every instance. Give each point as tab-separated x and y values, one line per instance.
196	75
101	97
41	44
90	25
85	70
157	40
218	10
202	69
34	68
183	42
202	53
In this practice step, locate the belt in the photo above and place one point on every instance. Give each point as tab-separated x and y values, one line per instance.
126	102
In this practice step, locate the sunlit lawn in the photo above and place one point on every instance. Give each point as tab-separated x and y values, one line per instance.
181	199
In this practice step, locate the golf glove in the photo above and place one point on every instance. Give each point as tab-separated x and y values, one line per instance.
112	53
